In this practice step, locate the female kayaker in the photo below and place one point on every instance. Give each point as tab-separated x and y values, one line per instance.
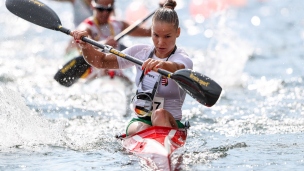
102	26
158	100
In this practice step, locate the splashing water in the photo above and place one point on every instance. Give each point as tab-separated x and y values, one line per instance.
21	126
24	128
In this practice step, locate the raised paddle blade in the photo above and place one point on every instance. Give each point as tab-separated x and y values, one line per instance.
35	12
200	87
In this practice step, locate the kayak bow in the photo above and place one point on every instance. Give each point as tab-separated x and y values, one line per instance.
155	145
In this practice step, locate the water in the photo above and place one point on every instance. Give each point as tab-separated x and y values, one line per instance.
255	52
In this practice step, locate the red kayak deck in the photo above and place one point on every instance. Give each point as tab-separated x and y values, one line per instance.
156	140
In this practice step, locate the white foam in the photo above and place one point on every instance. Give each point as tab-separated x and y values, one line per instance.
20	126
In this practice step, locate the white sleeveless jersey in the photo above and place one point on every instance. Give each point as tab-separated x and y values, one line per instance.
173	96
104	31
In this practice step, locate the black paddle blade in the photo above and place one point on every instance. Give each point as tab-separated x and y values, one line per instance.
72	71
200	87
35	12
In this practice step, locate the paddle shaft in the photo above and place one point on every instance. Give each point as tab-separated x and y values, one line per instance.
132	27
114	51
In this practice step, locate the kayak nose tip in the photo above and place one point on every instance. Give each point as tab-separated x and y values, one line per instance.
111	73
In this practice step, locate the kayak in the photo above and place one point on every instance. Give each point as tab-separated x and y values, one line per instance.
155	145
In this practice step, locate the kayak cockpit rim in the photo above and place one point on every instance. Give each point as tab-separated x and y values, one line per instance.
122	136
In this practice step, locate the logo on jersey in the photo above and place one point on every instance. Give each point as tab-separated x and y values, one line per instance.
164	81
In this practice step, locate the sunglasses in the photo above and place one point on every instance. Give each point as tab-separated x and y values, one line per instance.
101	9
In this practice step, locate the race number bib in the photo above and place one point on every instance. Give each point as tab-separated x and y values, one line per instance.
158	103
